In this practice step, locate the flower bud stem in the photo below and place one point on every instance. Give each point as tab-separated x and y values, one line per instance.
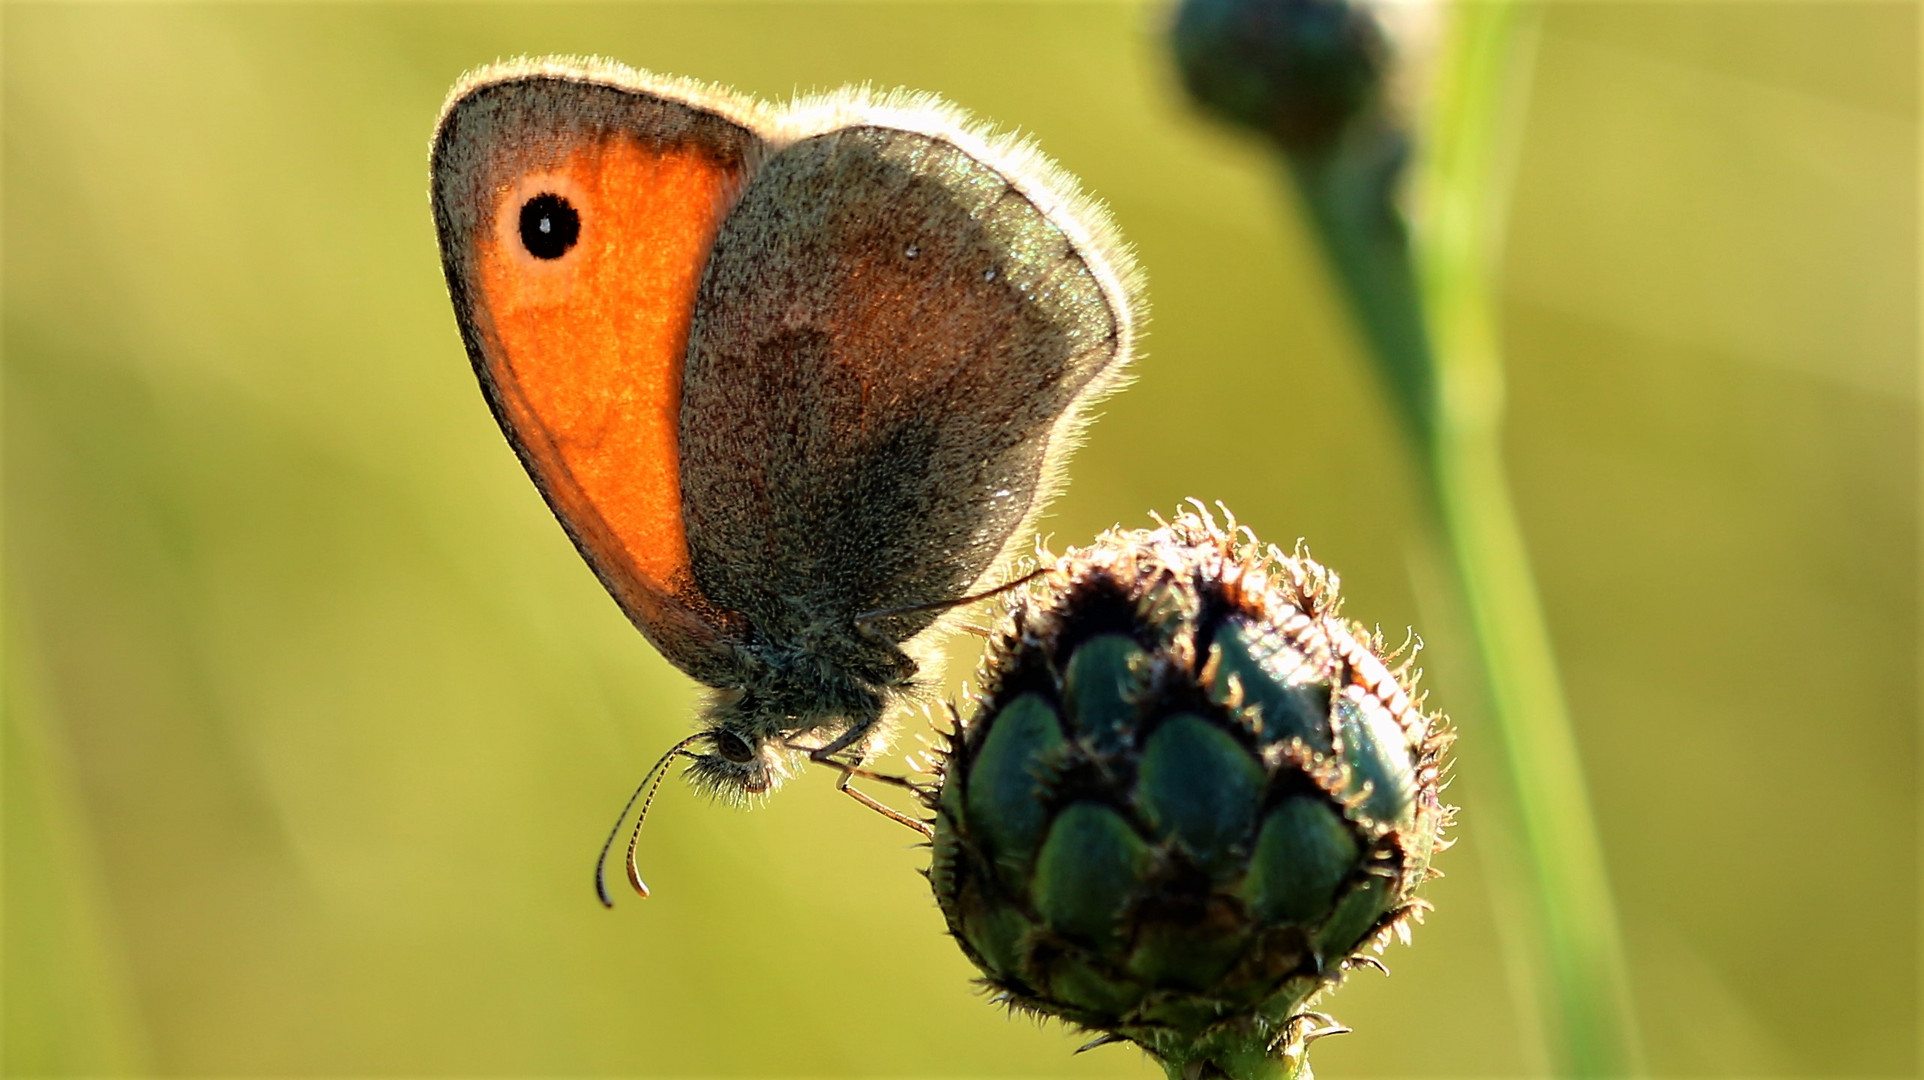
1258	1063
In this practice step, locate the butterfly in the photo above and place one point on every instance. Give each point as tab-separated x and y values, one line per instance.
796	380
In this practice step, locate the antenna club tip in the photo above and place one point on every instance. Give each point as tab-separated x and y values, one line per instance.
641	887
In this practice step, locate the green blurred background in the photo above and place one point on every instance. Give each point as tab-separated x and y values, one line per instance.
314	718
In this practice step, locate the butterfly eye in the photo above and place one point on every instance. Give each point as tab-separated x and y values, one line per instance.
549	226
734	748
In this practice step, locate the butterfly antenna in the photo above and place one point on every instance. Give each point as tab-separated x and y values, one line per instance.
650	783
944	605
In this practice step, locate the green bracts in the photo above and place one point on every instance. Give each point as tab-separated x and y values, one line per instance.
1188	797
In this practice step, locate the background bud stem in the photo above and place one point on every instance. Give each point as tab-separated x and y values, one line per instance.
1346	194
1423	296
1461	189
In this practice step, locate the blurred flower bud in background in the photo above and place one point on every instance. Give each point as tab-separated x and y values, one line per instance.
1189	797
1296	70
1332	90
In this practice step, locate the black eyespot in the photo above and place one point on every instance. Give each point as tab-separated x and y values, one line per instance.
733	747
549	226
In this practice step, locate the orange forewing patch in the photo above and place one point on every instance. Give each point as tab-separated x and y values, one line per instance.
590	346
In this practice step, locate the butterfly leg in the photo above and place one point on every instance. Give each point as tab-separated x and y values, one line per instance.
879	807
825	755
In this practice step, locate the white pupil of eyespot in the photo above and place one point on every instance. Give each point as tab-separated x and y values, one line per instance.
546	225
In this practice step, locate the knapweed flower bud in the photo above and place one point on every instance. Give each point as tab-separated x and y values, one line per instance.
1187	798
1295	70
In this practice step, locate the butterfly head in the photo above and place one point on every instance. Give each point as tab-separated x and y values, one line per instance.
740	761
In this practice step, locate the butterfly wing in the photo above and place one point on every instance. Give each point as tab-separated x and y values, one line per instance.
575	207
896	334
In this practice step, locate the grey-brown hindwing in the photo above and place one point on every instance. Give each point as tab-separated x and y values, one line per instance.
886	341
